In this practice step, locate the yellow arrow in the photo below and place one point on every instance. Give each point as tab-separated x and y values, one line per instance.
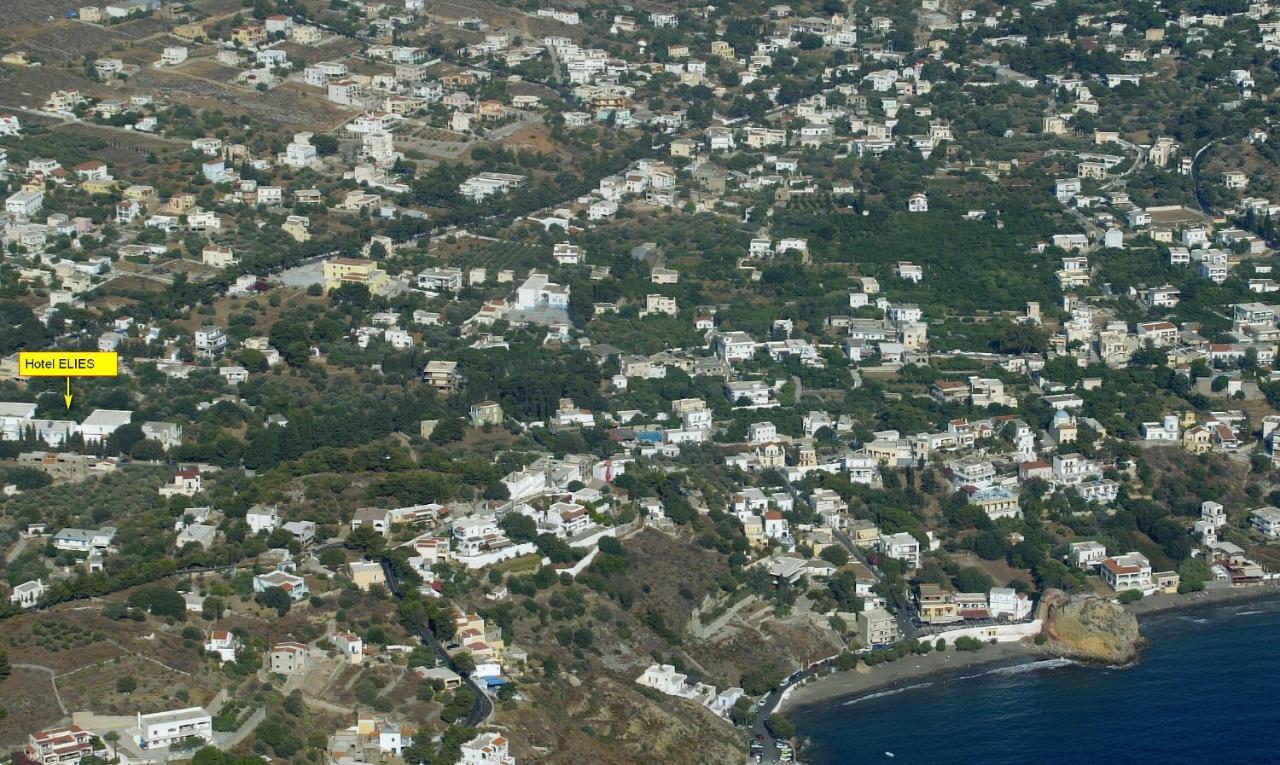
67	396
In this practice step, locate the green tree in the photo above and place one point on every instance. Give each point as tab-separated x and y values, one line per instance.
126	684
761	679
333	558
519	527
836	555
463	662
973	579
275	597
160	601
781	726
147	450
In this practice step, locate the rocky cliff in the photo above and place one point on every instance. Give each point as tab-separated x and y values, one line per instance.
1089	629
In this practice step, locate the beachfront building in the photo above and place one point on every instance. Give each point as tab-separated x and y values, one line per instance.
1008	603
1131	571
877	627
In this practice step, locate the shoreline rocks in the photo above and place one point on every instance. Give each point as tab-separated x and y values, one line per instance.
1089	629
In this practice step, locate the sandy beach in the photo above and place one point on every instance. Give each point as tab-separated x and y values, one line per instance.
1155	604
906	671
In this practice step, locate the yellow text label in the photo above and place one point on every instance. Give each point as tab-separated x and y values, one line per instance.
68	364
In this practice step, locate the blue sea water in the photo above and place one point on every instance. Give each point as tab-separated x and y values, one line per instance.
1206	690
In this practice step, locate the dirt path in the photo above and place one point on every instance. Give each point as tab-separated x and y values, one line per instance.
16	550
53	681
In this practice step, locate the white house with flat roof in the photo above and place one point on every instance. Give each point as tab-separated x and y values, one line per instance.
161	729
101	423
1008	603
1087	554
1267	521
901	546
24	204
262	518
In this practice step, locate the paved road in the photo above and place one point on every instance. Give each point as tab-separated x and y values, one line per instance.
484	703
765	708
1196	180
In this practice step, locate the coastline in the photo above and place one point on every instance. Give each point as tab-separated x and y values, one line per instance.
847	686
907	671
1159	604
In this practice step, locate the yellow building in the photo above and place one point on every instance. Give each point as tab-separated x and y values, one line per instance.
99	186
189	32
181	204
249	36
1197	440
365	574
340	271
296	226
936	605
140	193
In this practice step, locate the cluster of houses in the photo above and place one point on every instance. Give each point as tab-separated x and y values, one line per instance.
1228	563
147	740
936	604
664	679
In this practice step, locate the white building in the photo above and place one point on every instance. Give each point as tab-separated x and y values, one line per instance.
1131	571
262	518
1165	430
1007	602
538	290
735	346
299	152
901	546
210	341
161	729
173	55
294	585
1267	521
486	749
28	594
223	644
1087	554
101	423
484	185
24	204
664	678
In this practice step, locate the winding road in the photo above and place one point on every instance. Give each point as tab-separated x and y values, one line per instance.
483	707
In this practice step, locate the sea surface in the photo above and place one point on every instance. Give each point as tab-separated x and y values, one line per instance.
1207	689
